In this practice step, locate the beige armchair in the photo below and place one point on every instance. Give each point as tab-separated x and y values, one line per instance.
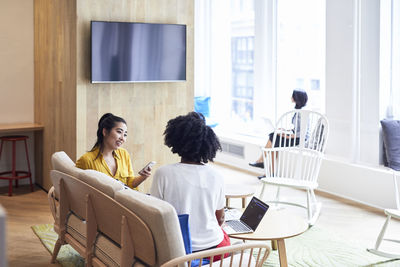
112	226
115	236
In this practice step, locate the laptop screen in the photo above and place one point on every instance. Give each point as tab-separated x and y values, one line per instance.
254	212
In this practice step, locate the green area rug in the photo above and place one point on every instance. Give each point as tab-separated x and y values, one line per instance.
67	257
316	247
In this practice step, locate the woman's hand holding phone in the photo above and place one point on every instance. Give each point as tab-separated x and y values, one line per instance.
146	171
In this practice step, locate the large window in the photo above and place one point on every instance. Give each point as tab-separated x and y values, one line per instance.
390	58
259	52
300	52
242	56
242	77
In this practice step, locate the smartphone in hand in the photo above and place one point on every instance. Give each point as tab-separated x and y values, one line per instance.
150	164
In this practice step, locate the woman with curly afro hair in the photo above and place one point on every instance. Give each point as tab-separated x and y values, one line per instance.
192	186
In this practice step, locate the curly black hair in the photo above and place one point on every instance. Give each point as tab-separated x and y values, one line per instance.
191	138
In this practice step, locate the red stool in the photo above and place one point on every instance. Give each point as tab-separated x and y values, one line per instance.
15	175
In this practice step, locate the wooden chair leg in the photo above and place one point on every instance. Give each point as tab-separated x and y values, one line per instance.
57	247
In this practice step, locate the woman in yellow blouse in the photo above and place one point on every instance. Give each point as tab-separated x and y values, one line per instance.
108	157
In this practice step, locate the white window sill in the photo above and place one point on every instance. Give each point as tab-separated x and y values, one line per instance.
241	138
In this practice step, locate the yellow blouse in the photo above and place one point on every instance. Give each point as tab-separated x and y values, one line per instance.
124	171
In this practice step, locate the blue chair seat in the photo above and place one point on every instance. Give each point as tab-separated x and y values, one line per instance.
202	105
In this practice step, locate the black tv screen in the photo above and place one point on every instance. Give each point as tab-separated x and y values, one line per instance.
137	52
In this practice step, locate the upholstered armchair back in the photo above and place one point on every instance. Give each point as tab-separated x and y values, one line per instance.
162	220
129	236
158	216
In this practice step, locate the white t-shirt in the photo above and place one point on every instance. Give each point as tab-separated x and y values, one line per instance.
197	190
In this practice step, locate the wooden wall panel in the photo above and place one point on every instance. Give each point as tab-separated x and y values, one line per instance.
55	78
145	106
70	106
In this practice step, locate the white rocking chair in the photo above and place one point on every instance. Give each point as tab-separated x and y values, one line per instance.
395	213
300	139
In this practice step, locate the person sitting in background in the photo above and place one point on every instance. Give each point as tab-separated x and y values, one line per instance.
192	186
300	98
107	155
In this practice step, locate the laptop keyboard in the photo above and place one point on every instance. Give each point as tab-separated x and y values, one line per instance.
238	226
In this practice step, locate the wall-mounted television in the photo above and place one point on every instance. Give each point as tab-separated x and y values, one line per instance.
137	52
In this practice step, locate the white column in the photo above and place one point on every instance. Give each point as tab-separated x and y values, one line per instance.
369	82
202	55
339	75
221	66
352	79
265	59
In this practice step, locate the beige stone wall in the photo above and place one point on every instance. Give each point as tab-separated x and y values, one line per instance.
16	76
16	61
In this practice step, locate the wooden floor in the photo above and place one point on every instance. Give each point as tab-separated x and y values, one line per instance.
25	209
349	220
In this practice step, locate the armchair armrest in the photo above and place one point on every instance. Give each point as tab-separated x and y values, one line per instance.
52	202
237	256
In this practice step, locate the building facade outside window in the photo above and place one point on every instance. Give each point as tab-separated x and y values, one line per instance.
242	77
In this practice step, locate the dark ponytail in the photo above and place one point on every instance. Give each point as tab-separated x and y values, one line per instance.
300	98
107	121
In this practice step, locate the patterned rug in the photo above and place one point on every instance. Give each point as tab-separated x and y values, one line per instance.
316	247
67	256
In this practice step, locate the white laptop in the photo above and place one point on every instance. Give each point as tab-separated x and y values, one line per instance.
249	220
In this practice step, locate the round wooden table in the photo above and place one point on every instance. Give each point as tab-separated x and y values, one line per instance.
277	225
238	191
